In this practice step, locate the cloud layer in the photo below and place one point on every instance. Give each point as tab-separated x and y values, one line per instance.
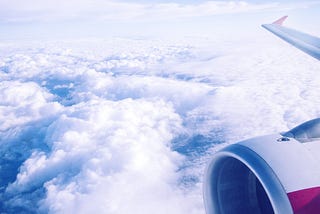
126	126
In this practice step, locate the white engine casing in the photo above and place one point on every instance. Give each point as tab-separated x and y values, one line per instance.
277	173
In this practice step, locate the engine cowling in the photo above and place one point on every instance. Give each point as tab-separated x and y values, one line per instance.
277	173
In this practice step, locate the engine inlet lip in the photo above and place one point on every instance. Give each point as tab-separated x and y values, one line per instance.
264	173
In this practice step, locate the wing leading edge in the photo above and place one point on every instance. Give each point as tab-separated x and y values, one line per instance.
305	42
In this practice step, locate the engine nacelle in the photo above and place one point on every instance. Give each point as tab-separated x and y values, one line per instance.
271	174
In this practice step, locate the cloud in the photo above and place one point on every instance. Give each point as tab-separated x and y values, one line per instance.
23	103
99	10
87	134
124	125
106	148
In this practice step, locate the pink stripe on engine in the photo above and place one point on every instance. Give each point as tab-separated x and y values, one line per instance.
306	201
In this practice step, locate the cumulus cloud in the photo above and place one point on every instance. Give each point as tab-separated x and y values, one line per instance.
108	149
22	103
129	125
100	138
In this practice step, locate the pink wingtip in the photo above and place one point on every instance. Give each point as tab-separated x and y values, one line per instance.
280	21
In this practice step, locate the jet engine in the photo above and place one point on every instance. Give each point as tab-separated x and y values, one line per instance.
277	173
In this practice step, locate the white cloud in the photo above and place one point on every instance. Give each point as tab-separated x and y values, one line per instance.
110	150
22	103
96	126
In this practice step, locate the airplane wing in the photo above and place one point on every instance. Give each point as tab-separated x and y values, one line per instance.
305	42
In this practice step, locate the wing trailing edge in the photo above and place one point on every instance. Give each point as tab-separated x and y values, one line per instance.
305	42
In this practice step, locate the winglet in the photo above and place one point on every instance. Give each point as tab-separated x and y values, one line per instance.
303	41
280	21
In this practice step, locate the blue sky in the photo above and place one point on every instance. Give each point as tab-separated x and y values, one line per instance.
99	18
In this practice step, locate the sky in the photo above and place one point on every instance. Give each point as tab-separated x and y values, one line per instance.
105	18
117	106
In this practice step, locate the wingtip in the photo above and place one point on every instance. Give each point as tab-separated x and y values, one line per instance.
280	21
